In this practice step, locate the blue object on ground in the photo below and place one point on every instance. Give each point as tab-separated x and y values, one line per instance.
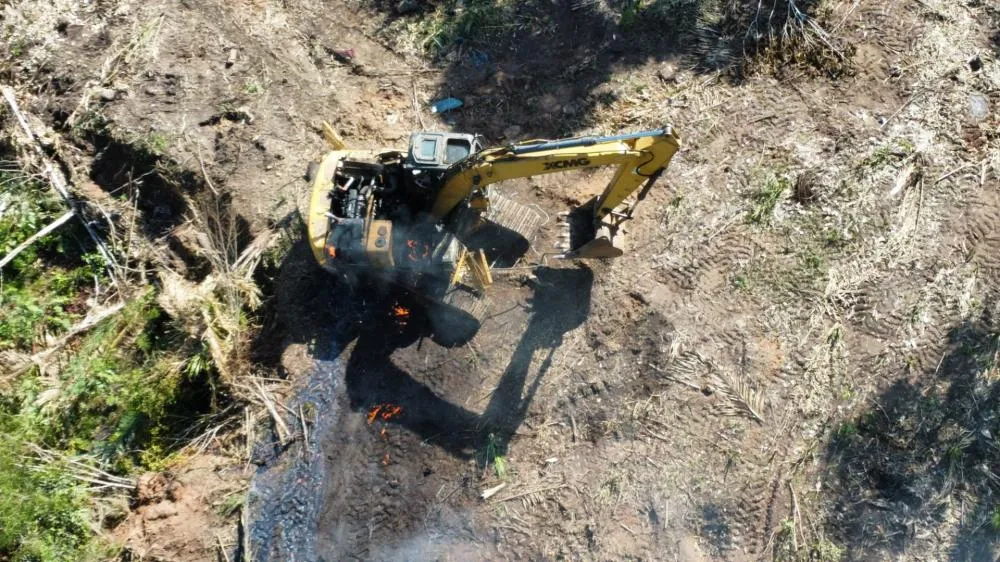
447	104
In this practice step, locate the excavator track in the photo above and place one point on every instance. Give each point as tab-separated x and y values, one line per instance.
476	306
509	214
513	215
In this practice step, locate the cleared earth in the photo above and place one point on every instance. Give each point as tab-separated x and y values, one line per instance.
795	357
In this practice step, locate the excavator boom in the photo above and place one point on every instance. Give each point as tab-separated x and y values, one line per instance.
638	157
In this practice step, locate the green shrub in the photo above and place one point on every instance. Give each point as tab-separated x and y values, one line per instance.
44	514
43	282
115	396
27	207
678	14
39	303
476	23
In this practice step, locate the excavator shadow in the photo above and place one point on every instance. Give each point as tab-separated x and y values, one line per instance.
373	378
383	351
503	246
560	303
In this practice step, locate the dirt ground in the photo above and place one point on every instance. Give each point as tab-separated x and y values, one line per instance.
817	242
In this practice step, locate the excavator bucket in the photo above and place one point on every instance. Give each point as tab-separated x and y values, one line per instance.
599	247
586	240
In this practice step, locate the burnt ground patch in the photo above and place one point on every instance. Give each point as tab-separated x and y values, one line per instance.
382	471
927	442
388	329
559	303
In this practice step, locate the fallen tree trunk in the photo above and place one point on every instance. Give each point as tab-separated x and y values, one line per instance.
58	181
92	319
35	237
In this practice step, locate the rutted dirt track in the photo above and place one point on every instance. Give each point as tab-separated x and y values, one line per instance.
680	402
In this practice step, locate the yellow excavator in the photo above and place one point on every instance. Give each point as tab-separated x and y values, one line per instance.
430	219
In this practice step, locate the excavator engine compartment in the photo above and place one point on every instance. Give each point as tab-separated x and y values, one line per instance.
375	217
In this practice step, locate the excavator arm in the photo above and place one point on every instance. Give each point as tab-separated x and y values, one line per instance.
639	157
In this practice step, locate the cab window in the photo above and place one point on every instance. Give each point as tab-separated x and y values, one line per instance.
455	150
428	149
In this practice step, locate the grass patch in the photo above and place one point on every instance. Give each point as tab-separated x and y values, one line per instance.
765	200
123	394
252	87
846	431
25	207
43	288
41	304
471	23
741	282
157	143
891	153
44	514
679	14
123	379
788	549
494	455
611	491
230	504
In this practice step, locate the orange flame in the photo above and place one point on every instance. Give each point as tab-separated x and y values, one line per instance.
331	251
401	314
390	411
384	411
418	251
384	434
385	460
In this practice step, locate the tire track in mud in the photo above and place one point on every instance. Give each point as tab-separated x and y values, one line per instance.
287	493
981	239
713	262
914	316
751	498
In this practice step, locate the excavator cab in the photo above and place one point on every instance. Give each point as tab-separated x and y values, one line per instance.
438	151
